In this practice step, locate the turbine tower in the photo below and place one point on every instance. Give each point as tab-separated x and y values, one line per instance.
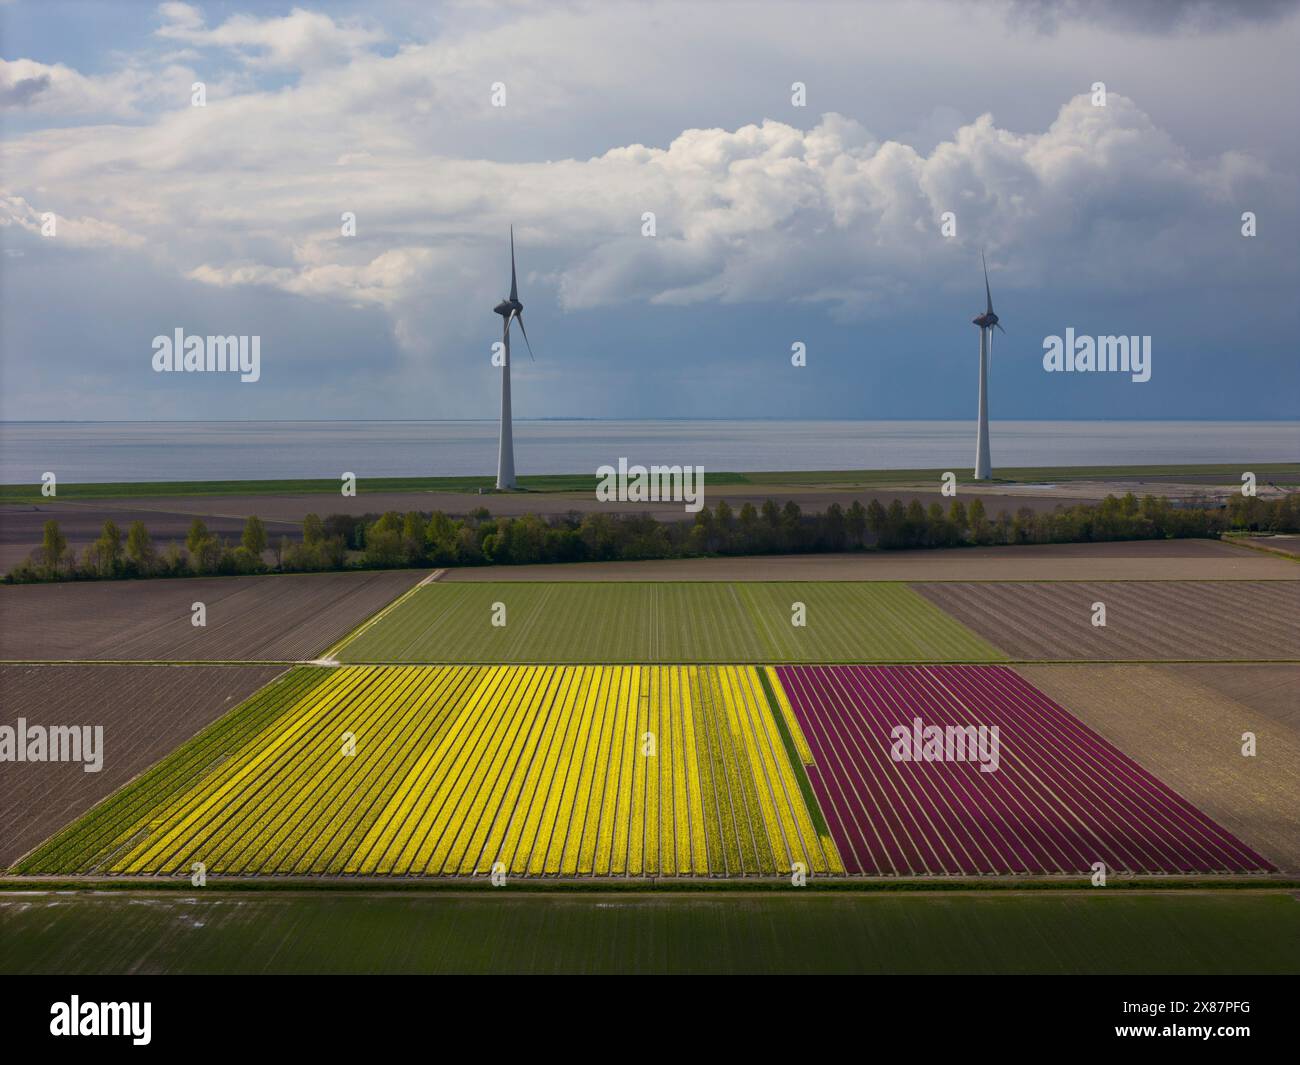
510	309
987	322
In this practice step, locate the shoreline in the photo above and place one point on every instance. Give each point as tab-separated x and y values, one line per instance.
1211	474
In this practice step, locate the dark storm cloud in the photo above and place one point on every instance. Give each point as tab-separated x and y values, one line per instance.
1152	16
775	223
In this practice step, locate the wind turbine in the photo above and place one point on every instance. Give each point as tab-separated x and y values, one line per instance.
987	322
510	310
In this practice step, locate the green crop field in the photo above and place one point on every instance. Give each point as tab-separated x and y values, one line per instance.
1066	932
662	622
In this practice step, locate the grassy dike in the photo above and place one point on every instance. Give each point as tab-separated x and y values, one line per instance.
1278	472
698	932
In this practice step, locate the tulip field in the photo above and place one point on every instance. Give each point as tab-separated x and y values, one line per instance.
452	774
660	730
570	771
1059	800
639	772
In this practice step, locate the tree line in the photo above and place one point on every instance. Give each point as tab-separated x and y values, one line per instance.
414	539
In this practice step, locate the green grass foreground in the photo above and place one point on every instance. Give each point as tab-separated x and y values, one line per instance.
670	623
1092	932
1279	472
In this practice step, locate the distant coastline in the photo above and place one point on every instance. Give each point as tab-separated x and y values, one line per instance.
616	421
112	452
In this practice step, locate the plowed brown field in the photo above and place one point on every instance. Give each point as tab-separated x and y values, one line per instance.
1190	736
145	712
269	618
1145	620
1268	688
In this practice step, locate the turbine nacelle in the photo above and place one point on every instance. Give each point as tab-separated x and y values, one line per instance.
988	319
510	308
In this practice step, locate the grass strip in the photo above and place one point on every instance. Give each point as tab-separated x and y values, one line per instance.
792	753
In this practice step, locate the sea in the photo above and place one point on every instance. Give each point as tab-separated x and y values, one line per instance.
258	450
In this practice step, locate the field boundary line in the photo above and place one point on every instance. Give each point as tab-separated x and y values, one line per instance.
154	662
1149	883
799	767
333	650
733	661
813	579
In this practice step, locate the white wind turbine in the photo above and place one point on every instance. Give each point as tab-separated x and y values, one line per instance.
987	322
510	309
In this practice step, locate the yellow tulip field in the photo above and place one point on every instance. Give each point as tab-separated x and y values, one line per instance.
559	771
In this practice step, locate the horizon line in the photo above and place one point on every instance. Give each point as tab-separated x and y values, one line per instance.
658	418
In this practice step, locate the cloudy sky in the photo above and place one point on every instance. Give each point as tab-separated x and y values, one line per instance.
775	223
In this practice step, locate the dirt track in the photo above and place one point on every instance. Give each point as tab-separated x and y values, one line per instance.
145	712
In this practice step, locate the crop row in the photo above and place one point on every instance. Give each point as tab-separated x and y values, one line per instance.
668	623
144	711
443	771
88	843
961	770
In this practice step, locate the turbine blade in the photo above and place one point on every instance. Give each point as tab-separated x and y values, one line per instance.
514	286
987	293
999	325
518	317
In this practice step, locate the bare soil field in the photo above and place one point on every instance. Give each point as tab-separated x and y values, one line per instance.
1190	735
1145	620
276	617
1285	544
1268	688
1146	560
145	711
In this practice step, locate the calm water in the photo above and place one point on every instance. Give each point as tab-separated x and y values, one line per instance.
208	451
